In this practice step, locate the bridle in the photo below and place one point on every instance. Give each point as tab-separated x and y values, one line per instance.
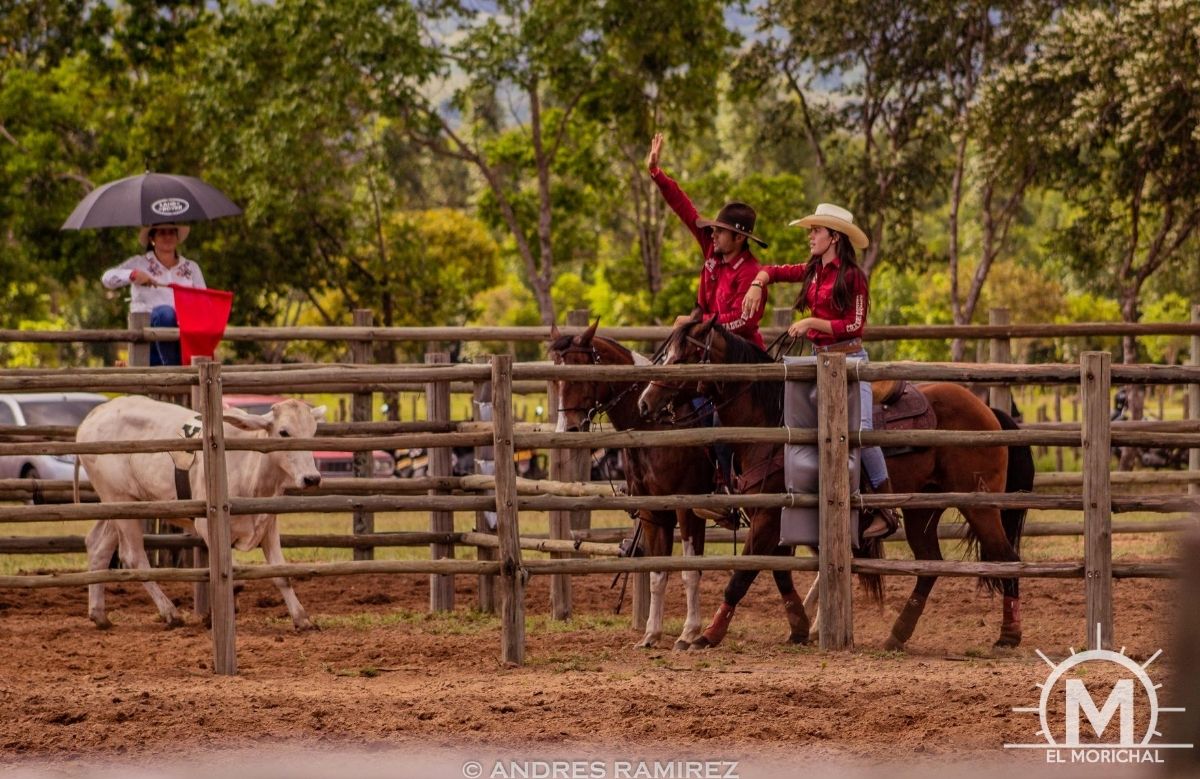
598	407
705	348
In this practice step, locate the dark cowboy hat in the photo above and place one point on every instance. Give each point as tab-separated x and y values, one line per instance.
737	217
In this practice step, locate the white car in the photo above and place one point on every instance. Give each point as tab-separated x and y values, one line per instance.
27	409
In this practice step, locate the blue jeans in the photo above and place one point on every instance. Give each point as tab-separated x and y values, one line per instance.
722	451
872	456
164	352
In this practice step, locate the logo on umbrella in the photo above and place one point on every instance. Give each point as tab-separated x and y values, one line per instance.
170	206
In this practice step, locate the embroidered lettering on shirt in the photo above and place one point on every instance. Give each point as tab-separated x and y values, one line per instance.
857	323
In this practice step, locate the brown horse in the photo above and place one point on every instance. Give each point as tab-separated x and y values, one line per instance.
648	471
995	534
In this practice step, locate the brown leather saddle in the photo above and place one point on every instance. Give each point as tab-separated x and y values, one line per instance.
901	406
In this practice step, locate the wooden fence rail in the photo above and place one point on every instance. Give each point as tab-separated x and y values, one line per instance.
648	333
1094	375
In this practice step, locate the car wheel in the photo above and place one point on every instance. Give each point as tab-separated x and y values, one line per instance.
31	472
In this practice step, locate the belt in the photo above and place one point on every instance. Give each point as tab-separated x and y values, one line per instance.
847	347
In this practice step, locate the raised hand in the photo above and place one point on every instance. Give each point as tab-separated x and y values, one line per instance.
655	148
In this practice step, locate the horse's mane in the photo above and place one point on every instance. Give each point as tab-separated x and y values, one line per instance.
768	395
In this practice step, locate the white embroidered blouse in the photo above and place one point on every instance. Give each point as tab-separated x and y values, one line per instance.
145	298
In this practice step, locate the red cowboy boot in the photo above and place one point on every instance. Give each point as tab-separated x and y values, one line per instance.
716	630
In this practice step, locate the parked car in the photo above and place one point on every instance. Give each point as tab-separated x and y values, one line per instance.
27	409
329	464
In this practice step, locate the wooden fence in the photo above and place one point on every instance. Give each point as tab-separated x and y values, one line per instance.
1095	435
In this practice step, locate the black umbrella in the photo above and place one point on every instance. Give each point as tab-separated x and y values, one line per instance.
148	199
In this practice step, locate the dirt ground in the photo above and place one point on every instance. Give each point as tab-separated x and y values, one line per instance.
383	674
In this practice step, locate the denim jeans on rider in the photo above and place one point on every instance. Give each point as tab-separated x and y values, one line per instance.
164	352
872	456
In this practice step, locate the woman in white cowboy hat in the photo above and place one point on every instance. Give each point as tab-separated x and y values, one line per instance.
150	275
835	293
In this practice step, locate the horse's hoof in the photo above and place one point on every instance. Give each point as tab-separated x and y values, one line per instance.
893	644
702	643
306	626
1007	641
174	621
800	639
682	646
102	623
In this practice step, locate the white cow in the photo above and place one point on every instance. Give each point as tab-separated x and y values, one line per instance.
133	477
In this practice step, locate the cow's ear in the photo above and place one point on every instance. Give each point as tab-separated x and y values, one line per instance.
319	413
243	421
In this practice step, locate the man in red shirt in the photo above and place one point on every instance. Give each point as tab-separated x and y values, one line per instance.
729	266
729	270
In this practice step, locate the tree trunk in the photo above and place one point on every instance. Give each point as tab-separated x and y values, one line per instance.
957	346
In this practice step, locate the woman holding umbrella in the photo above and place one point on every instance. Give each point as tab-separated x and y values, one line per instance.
151	275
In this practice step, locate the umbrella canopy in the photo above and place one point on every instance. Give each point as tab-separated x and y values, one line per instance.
148	199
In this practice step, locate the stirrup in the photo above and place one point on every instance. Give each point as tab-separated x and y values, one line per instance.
885	522
730	519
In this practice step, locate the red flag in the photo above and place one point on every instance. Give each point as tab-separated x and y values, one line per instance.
202	316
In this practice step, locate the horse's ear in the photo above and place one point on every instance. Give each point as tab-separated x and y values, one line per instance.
585	339
706	325
554	334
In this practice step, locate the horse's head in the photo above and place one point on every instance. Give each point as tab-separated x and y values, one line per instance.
580	401
696	342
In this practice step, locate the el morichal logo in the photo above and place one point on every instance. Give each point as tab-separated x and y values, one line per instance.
1132	683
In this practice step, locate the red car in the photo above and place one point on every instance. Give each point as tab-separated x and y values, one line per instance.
329	464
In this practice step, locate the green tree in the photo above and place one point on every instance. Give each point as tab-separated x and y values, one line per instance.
1124	148
862	82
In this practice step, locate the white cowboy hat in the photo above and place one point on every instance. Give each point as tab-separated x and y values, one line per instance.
144	233
835	218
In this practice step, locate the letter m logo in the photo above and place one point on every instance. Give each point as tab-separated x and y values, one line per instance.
1078	698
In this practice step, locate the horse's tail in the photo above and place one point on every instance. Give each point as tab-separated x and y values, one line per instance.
871	583
1019	479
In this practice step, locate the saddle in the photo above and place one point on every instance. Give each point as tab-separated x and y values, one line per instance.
901	406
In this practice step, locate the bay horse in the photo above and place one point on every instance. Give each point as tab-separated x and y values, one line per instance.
648	471
994	535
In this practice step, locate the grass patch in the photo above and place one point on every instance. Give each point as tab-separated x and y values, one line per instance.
304	524
458	622
544	623
366	672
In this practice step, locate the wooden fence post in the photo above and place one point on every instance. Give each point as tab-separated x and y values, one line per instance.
1095	381
512	573
487	582
1194	403
139	357
566	465
216	496
1000	350
361	411
1058	450
201	603
581	459
833	443
437	409
139	351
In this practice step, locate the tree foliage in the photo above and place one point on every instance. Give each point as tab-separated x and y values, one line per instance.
445	162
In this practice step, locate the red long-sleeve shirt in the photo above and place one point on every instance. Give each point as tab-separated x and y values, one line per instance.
723	282
846	323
